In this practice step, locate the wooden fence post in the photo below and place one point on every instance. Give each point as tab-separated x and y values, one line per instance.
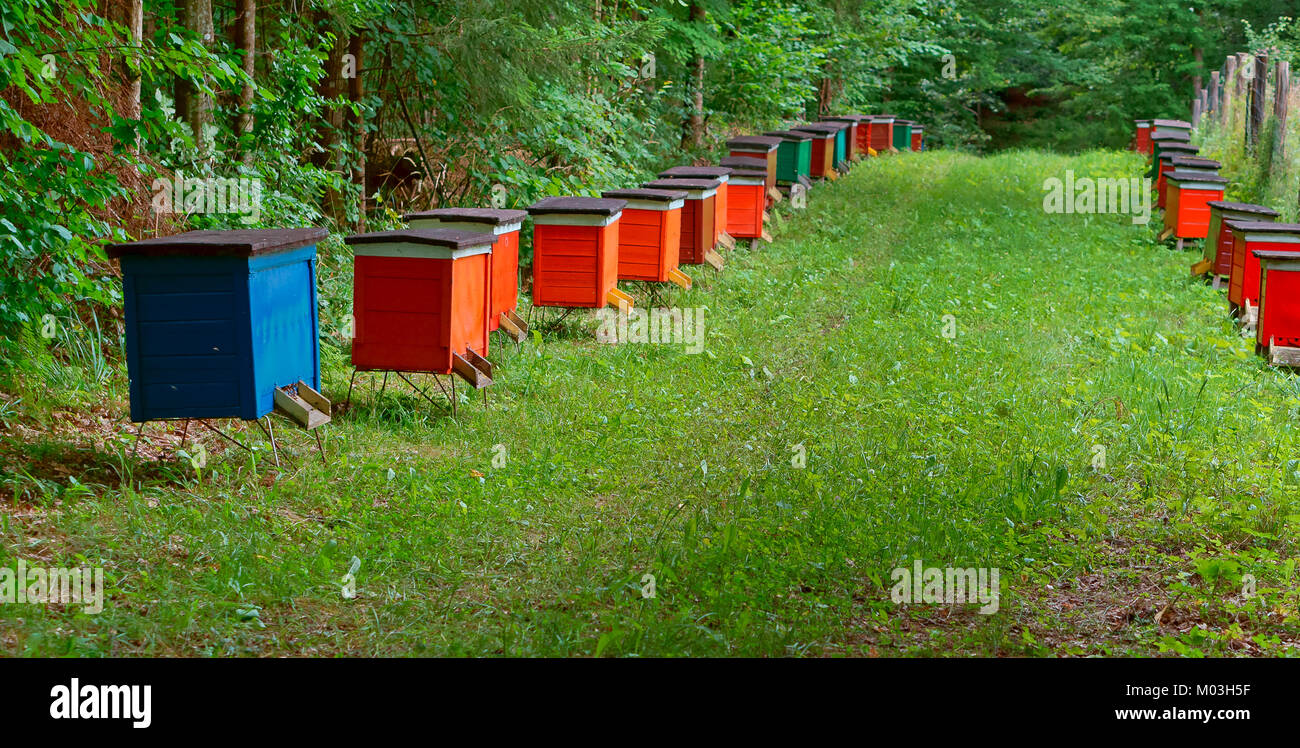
1212	98
1257	86
1281	106
1229	88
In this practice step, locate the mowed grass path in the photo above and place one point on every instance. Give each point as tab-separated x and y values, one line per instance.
1095	430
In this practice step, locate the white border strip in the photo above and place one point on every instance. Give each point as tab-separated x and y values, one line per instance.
479	228
575	219
422	251
653	204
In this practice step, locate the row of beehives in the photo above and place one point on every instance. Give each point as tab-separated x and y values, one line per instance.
1246	250
224	324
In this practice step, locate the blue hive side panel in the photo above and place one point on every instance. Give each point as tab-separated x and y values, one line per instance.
282	300
184	348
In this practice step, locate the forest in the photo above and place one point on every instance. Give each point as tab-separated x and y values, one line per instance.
351	112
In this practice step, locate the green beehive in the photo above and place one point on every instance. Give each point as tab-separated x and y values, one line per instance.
842	130
793	155
903	134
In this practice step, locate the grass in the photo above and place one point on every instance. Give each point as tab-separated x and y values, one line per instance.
1096	430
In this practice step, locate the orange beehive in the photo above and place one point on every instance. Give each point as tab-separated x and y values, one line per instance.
720	174
747	203
823	148
1247	238
575	251
650	235
757	146
420	298
1187	213
1217	256
505	225
698	216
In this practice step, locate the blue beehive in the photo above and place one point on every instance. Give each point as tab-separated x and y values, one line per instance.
217	320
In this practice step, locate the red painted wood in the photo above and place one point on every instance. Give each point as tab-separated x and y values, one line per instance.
882	136
697	230
745	212
574	266
1142	141
1192	214
505	277
1279	312
413	313
649	242
1243	283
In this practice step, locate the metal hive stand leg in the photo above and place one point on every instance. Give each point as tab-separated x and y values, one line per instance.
139	433
269	430
421	392
347	404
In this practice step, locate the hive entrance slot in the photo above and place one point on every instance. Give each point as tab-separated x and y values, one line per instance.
1283	355
473	368
617	298
303	405
512	325
680	278
713	258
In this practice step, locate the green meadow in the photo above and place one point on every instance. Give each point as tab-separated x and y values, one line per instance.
923	365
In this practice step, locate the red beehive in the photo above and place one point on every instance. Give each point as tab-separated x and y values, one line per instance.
918	138
1217	256
823	148
1187	196
1247	238
1142	136
882	132
756	146
420	299
505	225
698	216
747	203
1277	333
720	174
650	235
575	252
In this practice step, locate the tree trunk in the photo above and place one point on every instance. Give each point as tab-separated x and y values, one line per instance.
181	89
332	86
246	42
198	19
1200	64
693	136
135	27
